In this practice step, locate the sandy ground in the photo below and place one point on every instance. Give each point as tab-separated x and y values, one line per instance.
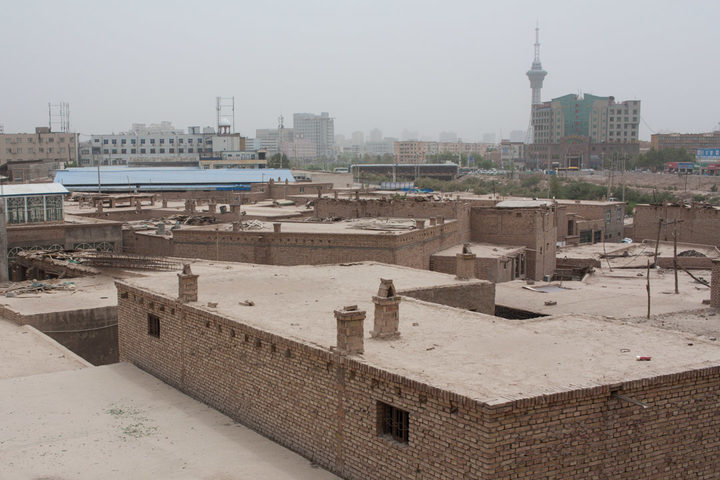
487	358
117	422
25	351
90	292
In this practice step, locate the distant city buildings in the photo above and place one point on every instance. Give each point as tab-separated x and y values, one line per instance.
28	156
489	138
319	131
689	142
415	151
164	145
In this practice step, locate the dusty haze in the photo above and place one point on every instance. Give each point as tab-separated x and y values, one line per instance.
417	65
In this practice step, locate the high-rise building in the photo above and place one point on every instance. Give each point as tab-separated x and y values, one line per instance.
488	138
319	130
600	119
447	137
375	135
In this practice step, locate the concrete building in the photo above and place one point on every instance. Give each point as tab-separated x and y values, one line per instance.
512	154
28	156
553	397
689	142
319	130
415	151
600	119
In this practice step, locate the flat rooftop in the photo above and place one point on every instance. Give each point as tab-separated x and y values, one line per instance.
482	250
359	226
25	351
633	254
618	294
72	294
118	422
493	360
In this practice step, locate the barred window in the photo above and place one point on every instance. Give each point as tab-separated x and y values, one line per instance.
393	422
15	210
153	322
35	210
53	208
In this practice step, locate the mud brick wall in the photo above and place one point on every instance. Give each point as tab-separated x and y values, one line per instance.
533	228
715	285
412	249
611	218
325	407
152	245
492	269
475	296
66	235
591	434
90	333
319	404
699	225
407	208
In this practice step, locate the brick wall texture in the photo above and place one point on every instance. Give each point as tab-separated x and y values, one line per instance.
533	228
325	407
699	225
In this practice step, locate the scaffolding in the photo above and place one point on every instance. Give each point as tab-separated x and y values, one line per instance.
129	261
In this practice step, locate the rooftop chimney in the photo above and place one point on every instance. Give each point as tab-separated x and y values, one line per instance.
465	268
715	284
236	226
187	285
277	227
387	311
350	330
433	221
419	224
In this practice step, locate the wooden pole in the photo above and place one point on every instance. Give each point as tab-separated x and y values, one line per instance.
675	262
657	241
648	287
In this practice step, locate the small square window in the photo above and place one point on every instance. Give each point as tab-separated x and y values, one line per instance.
162	150
153	322
393	422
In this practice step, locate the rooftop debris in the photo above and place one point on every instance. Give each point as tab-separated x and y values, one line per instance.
387	224
33	286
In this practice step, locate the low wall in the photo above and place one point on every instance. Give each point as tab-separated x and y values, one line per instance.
475	296
89	333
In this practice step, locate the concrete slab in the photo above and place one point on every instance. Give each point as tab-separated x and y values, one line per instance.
117	422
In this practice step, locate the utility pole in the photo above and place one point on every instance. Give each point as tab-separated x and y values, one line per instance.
647	287
3	239
675	260
657	240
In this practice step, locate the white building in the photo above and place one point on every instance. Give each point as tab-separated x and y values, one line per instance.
319	130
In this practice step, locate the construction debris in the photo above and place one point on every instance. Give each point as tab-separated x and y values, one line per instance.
21	288
128	261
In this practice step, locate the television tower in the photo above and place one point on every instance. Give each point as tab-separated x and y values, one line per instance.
536	74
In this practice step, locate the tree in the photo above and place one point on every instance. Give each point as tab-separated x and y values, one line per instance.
278	161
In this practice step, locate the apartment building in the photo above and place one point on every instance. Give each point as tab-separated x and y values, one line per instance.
689	142
29	156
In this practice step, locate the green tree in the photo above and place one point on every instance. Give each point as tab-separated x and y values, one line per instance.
278	161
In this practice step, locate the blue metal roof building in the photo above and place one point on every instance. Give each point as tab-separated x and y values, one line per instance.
123	179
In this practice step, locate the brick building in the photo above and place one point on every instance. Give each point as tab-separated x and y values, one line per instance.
698	223
452	394
689	142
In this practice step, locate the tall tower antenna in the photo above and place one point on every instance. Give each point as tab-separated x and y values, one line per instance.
536	75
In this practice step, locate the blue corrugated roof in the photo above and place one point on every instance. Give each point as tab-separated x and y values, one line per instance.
115	178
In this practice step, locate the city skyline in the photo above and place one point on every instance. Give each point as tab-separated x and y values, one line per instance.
373	65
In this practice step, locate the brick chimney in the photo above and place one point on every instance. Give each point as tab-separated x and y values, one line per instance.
164	203
277	227
387	311
419	224
350	330
433	221
212	207
715	284
187	285
465	268
236	226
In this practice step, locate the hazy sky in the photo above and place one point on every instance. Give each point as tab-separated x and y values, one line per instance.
428	66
